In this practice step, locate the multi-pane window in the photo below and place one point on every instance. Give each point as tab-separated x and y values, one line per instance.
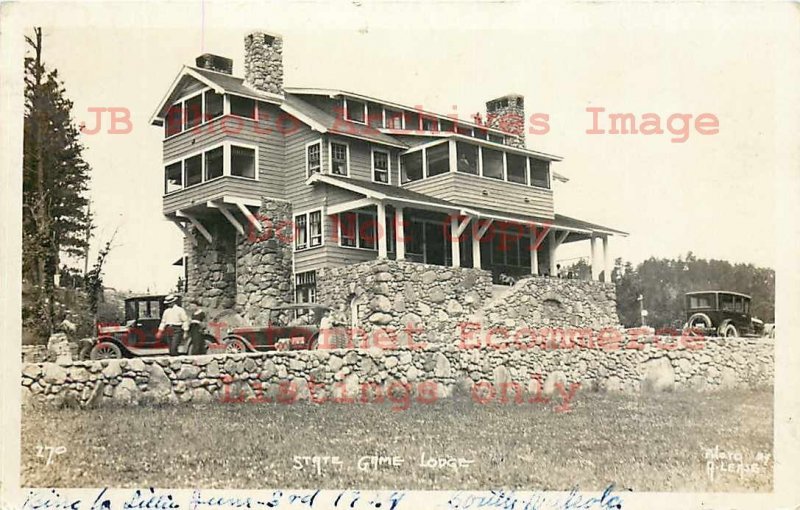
360	230
467	158
315	228
193	111
208	165
355	111
429	124
380	166
496	138
301	231
305	287
338	158
313	162
173	177
308	230
213	163
243	162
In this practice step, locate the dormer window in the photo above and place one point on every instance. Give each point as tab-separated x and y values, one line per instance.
214	105
540	173
174	120
430	124
496	138
355	111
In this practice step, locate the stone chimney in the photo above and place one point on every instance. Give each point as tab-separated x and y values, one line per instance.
507	114
263	62
214	63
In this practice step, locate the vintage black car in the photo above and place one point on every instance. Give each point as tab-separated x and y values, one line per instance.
291	327
137	337
721	313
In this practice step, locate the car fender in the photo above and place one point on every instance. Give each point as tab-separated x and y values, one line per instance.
724	324
241	339
111	339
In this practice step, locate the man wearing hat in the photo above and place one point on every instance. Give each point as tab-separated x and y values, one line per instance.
176	320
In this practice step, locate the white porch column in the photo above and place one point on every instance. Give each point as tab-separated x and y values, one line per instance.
455	245
380	231
595	248
551	249
534	252
476	245
399	234
607	266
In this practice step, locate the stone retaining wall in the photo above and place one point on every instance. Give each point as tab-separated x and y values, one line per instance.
537	302
393	294
444	368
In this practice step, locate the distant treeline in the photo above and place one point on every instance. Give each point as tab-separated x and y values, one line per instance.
662	284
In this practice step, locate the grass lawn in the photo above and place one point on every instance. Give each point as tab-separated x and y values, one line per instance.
654	443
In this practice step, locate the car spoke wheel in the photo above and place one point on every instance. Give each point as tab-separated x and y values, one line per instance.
730	331
235	346
105	350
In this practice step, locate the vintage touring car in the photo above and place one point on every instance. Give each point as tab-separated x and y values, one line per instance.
721	313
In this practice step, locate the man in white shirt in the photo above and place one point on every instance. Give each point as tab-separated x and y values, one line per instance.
176	319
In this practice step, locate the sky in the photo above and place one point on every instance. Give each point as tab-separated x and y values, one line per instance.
713	195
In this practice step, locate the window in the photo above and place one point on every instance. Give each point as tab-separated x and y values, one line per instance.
305	287
243	107
492	163
243	162
412	120
726	302
355	111
313	161
308	230
360	230
467	158
438	158
348	226
300	232
374	115
463	130
517	168
411	167
194	111
429	124
194	170
540	173
701	301
339	158
173	177
213	163
214	105
380	166
174	121
447	125
496	138
315	228
480	133
394	119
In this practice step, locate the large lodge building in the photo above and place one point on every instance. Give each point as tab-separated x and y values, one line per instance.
274	185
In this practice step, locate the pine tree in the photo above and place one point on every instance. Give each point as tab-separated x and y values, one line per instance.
55	181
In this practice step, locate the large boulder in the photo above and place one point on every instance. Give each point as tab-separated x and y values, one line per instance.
127	393
657	375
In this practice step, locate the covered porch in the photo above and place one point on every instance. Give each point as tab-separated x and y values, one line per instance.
402	225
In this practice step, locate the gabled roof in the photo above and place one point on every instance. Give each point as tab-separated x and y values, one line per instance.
325	122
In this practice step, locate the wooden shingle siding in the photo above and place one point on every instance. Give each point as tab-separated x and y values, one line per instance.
465	189
214	189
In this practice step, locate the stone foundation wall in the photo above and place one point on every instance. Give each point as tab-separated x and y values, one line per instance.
653	365
212	267
394	294
537	302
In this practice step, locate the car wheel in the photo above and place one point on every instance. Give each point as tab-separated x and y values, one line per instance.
105	350
314	344
234	346
729	331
